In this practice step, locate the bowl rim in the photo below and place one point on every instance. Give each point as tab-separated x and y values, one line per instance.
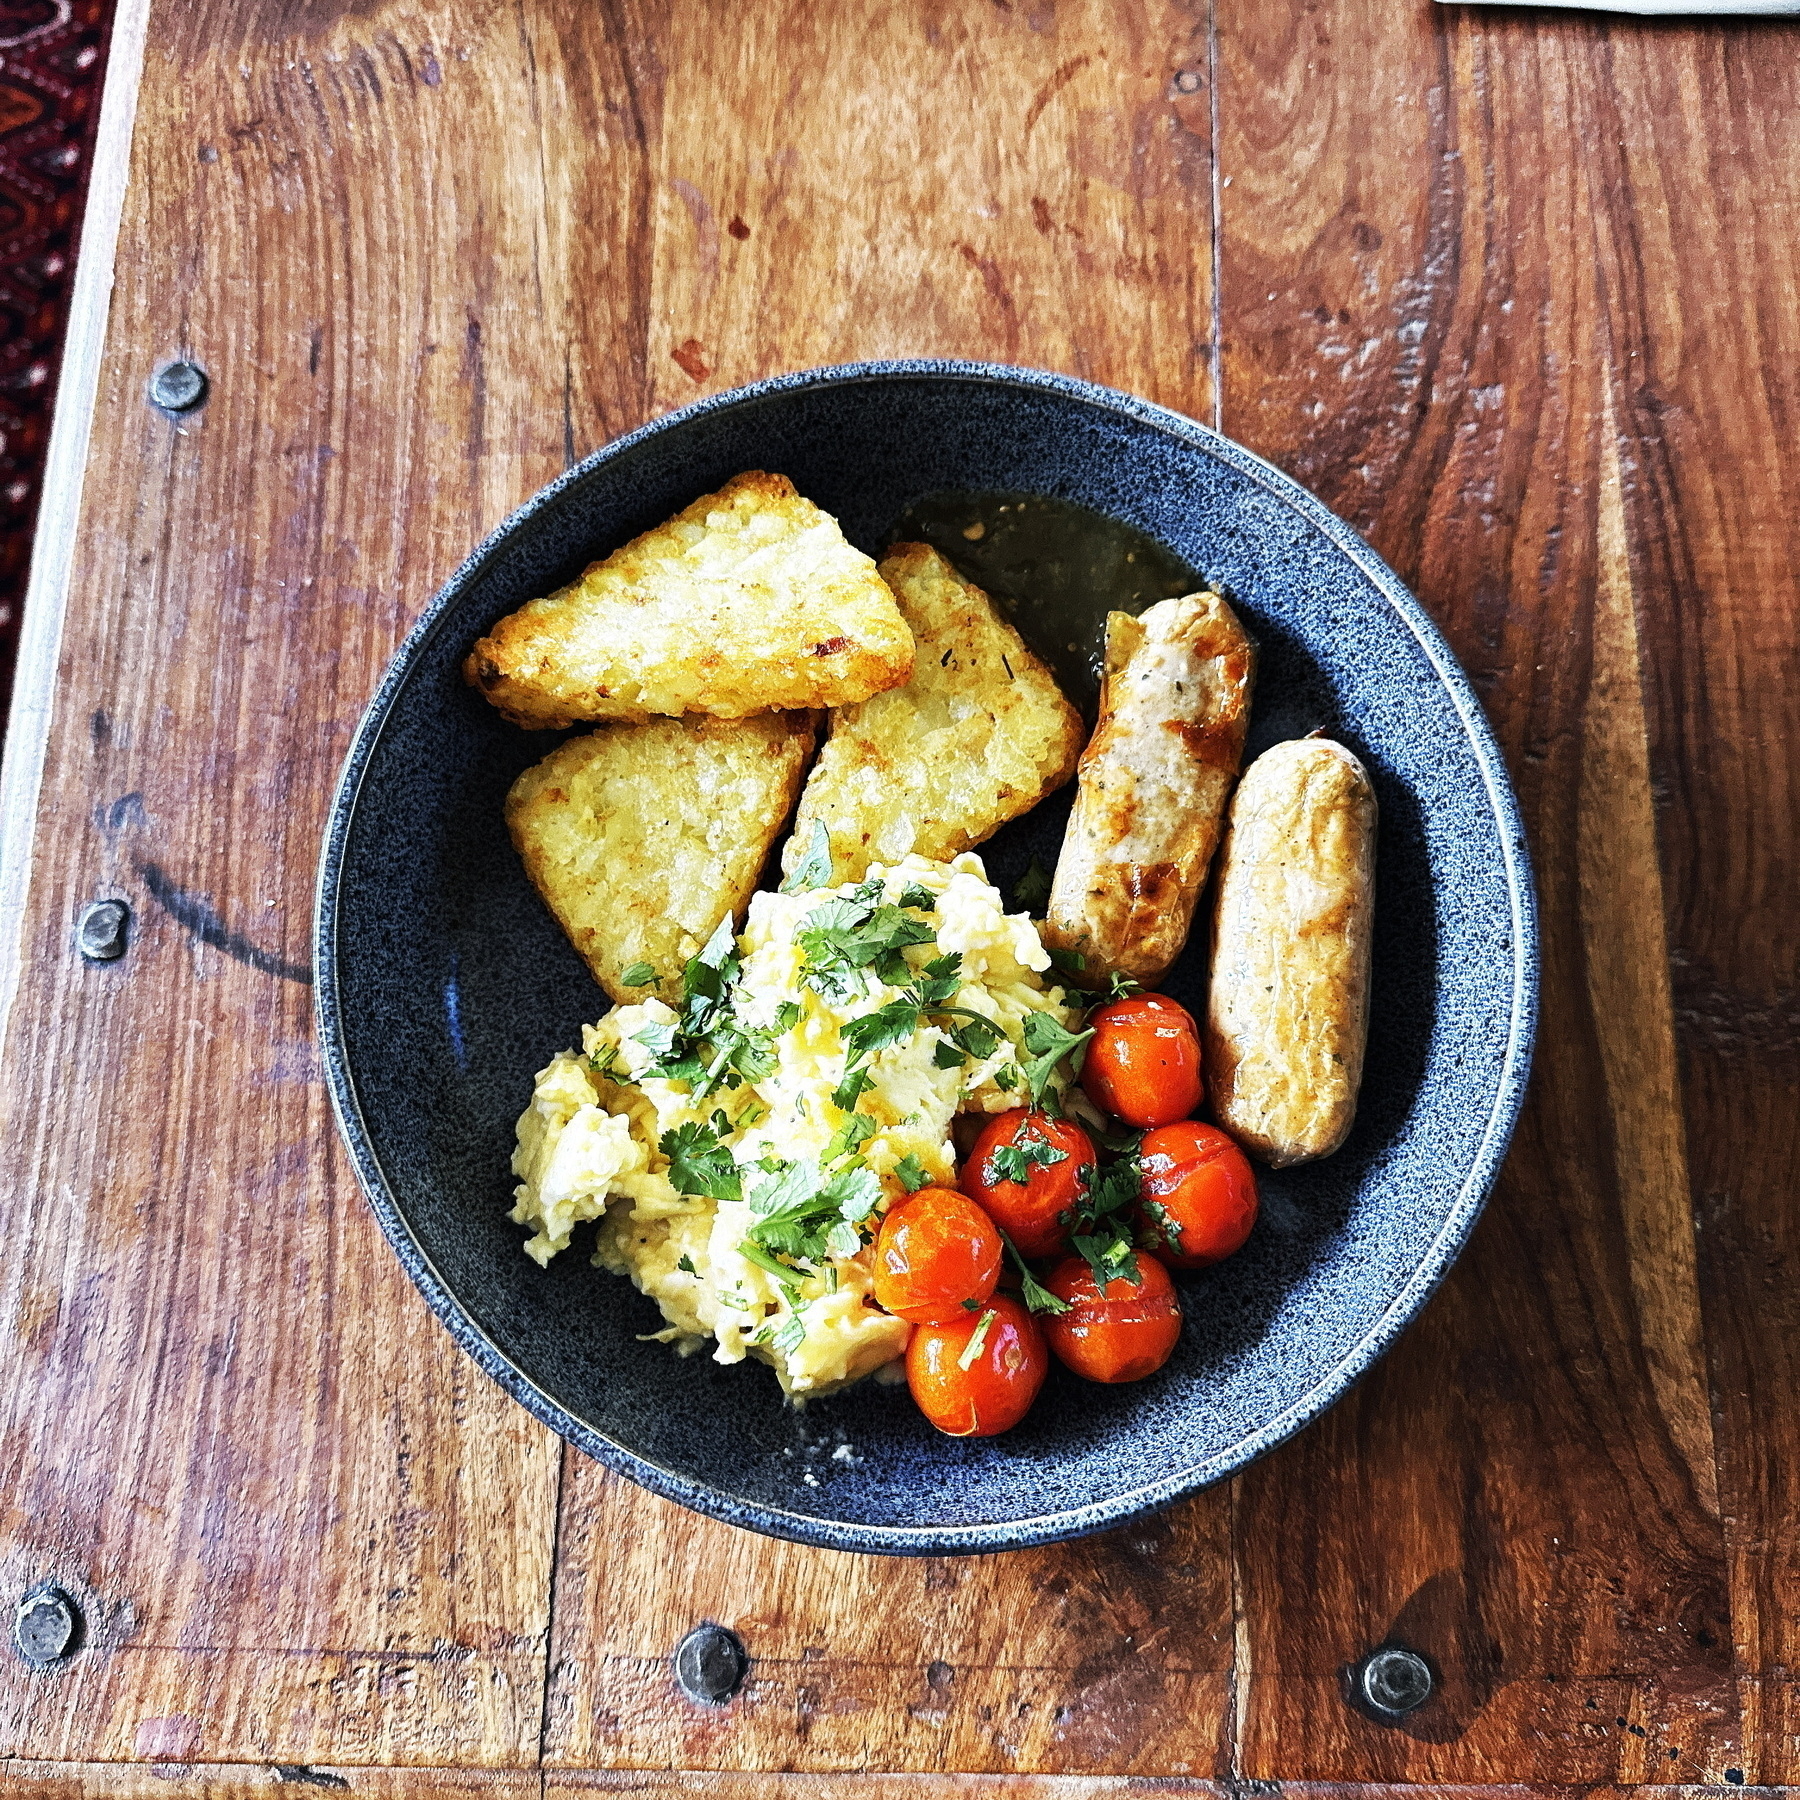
937	1540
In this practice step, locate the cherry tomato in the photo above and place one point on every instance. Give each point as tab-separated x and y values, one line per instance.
1143	1061
979	1375
935	1250
1199	1195
1050	1154
1123	1335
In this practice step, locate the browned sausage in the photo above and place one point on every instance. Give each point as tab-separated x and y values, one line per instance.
1287	1011
1154	781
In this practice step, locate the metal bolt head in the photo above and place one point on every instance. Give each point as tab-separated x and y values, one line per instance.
711	1663
104	931
178	386
1395	1681
45	1624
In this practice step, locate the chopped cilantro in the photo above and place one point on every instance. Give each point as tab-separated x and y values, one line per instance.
1109	1256
844	938
1102	1221
1162	1233
948	1056
813	870
640	974
791	1335
752	1251
1032	890
971	1305
851	1136
1013	1162
977	1339
685	1264
699	1163
855	1084
787	1016
979	1036
1006	1076
1069	962
910	1173
1049	1044
602	1060
1037	1297
921	897
890	1024
799	1214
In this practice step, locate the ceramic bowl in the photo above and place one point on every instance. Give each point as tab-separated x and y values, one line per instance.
443	983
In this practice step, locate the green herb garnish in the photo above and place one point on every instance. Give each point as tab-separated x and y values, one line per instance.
640	974
699	1164
977	1339
1050	1045
813	870
910	1173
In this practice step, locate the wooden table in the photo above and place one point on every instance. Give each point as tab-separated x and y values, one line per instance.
1515	292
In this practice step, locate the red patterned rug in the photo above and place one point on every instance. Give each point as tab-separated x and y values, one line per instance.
52	56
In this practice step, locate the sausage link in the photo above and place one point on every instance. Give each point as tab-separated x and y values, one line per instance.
1154	781
1287	1011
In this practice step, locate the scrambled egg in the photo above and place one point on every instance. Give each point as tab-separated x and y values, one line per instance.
611	1135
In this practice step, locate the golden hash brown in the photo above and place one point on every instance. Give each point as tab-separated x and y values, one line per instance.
642	837
978	735
750	601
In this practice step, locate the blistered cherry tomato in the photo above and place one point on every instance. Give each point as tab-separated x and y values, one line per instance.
1025	1171
1198	1194
979	1375
1143	1061
936	1255
1123	1335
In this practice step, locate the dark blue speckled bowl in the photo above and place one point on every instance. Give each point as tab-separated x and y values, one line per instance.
443	983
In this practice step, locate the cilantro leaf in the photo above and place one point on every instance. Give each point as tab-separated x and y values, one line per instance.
1109	1256
1049	1044
979	1036
791	1335
813	870
640	974
685	1264
843	938
890	1024
787	1016
851	1136
1037	1297
855	1192
910	1173
921	897
700	1164
1013	1162
1031	891
1162	1233
948	1056
855	1084
673	1058
1006	1076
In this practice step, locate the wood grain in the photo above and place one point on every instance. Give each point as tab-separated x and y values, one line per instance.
1514	292
1422	333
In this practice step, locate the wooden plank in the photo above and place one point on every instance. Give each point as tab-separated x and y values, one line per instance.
1022	184
242	1781
27	722
427	260
1698	150
301	1526
1526	1491
1107	1656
